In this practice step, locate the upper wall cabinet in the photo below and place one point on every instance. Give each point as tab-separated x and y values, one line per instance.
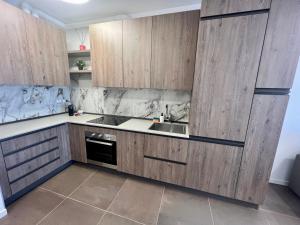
47	52
174	40
227	63
282	46
137	52
14	63
221	7
106	54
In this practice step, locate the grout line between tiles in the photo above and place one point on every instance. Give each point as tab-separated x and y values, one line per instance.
211	214
83	182
39	222
278	213
101	218
46	189
116	195
159	209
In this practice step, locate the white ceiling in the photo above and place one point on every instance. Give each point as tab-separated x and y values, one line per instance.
102	10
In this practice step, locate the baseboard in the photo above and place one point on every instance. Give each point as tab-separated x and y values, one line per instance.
3	213
280	182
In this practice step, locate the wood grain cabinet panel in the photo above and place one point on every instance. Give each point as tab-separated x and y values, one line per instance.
130	155
174	40
227	63
164	171
263	134
106	54
14	64
166	148
213	168
64	143
281	47
4	183
221	7
137	52
77	143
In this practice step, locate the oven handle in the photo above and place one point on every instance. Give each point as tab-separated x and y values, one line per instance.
99	142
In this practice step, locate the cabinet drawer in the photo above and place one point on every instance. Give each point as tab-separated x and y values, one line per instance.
32	165
164	171
213	168
20	157
166	148
20	143
33	177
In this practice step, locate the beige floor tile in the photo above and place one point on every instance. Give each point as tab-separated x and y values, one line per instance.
100	189
184	207
225	213
31	208
282	200
73	213
138	200
278	219
68	180
110	219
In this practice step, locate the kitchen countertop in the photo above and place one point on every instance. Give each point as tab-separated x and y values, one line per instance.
22	127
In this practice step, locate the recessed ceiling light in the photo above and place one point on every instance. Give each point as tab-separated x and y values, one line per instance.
76	1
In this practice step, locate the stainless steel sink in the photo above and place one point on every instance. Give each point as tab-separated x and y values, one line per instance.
169	127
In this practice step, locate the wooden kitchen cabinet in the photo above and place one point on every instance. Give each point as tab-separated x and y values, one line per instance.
47	52
77	143
263	134
14	64
30	157
213	168
228	56
130	154
281	47
221	7
173	149
137	52
106	54
174	41
4	183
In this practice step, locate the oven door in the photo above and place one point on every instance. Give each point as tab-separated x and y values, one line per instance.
101	151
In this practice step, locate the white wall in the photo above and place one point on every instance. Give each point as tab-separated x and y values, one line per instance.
289	143
3	211
74	36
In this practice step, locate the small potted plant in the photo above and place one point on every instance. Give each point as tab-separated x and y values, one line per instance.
80	64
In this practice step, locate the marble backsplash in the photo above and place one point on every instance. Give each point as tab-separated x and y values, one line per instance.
24	102
144	103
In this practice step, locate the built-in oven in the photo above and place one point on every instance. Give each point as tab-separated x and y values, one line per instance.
101	149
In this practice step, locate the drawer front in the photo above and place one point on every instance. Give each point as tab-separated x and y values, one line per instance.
169	172
213	168
23	156
166	148
32	165
17	144
35	176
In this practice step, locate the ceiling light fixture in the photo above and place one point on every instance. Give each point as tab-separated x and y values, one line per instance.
76	1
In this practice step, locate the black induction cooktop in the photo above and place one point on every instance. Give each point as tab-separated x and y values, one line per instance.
110	120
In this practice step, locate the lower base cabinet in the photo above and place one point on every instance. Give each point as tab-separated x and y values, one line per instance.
213	168
28	158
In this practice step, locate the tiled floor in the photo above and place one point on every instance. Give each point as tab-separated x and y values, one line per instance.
86	196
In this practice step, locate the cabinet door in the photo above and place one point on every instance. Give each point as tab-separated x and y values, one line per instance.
282	46
137	52
106	54
228	57
174	40
261	143
64	143
14	64
130	152
4	183
77	143
172	149
47	51
220	7
213	168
